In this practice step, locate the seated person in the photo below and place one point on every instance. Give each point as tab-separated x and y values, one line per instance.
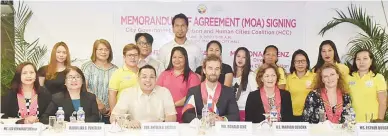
76	96
26	99
269	95
219	98
146	102
330	99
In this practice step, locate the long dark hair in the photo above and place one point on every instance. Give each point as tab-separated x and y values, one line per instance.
246	69
302	52
372	66
79	71
16	82
216	42
320	61
186	70
271	46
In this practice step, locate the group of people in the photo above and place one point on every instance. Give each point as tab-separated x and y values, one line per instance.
156	90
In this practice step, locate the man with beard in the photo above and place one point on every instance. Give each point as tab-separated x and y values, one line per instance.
219	98
180	24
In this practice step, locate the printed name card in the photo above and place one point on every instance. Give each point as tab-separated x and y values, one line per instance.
293	127
160	128
233	128
21	129
372	128
85	128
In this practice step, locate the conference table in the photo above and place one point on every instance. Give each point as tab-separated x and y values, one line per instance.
188	130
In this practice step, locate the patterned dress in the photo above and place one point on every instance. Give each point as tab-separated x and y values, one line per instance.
314	104
28	103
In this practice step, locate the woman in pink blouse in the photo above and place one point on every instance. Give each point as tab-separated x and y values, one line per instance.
178	78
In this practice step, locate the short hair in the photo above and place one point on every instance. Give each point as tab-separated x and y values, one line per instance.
181	16
216	42
372	67
261	72
211	58
271	46
129	47
107	45
147	36
318	78
302	52
147	67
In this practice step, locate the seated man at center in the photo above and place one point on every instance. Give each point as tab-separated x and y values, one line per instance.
145	102
219	98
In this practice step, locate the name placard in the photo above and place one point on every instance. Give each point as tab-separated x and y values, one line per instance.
160	128
85	128
297	127
21	129
233	128
372	128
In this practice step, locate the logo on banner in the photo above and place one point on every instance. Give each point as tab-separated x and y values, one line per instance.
201	9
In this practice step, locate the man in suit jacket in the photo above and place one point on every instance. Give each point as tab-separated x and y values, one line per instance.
220	99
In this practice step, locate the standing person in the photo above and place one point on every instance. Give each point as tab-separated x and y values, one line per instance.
226	76
180	25
52	75
126	76
271	57
26	100
328	54
244	80
330	97
144	42
98	72
268	96
299	83
368	88
219	98
178	78
73	98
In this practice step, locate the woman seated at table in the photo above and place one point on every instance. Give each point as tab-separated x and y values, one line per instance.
76	96
269	95
26	99
329	100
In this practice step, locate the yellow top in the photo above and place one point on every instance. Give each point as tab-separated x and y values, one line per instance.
121	79
299	89
363	91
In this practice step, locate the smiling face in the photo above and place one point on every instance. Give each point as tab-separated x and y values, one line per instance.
178	60
28	75
212	71
269	78
147	79
131	58
61	54
102	52
330	77
300	63
73	80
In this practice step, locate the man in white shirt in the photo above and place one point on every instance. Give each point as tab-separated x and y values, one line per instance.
144	42
180	25
146	102
219	98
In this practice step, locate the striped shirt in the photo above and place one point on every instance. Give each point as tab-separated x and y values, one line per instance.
98	80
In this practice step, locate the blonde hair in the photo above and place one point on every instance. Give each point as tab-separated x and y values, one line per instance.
129	47
318	78
52	66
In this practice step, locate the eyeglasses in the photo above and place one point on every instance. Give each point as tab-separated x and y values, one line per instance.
132	55
143	44
102	49
300	61
71	78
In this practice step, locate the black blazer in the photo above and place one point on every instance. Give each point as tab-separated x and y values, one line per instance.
254	108
226	105
63	99
10	107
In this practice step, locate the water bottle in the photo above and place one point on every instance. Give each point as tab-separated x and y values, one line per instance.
352	116
81	115
60	114
205	116
273	114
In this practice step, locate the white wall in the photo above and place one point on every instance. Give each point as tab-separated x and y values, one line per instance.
96	22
